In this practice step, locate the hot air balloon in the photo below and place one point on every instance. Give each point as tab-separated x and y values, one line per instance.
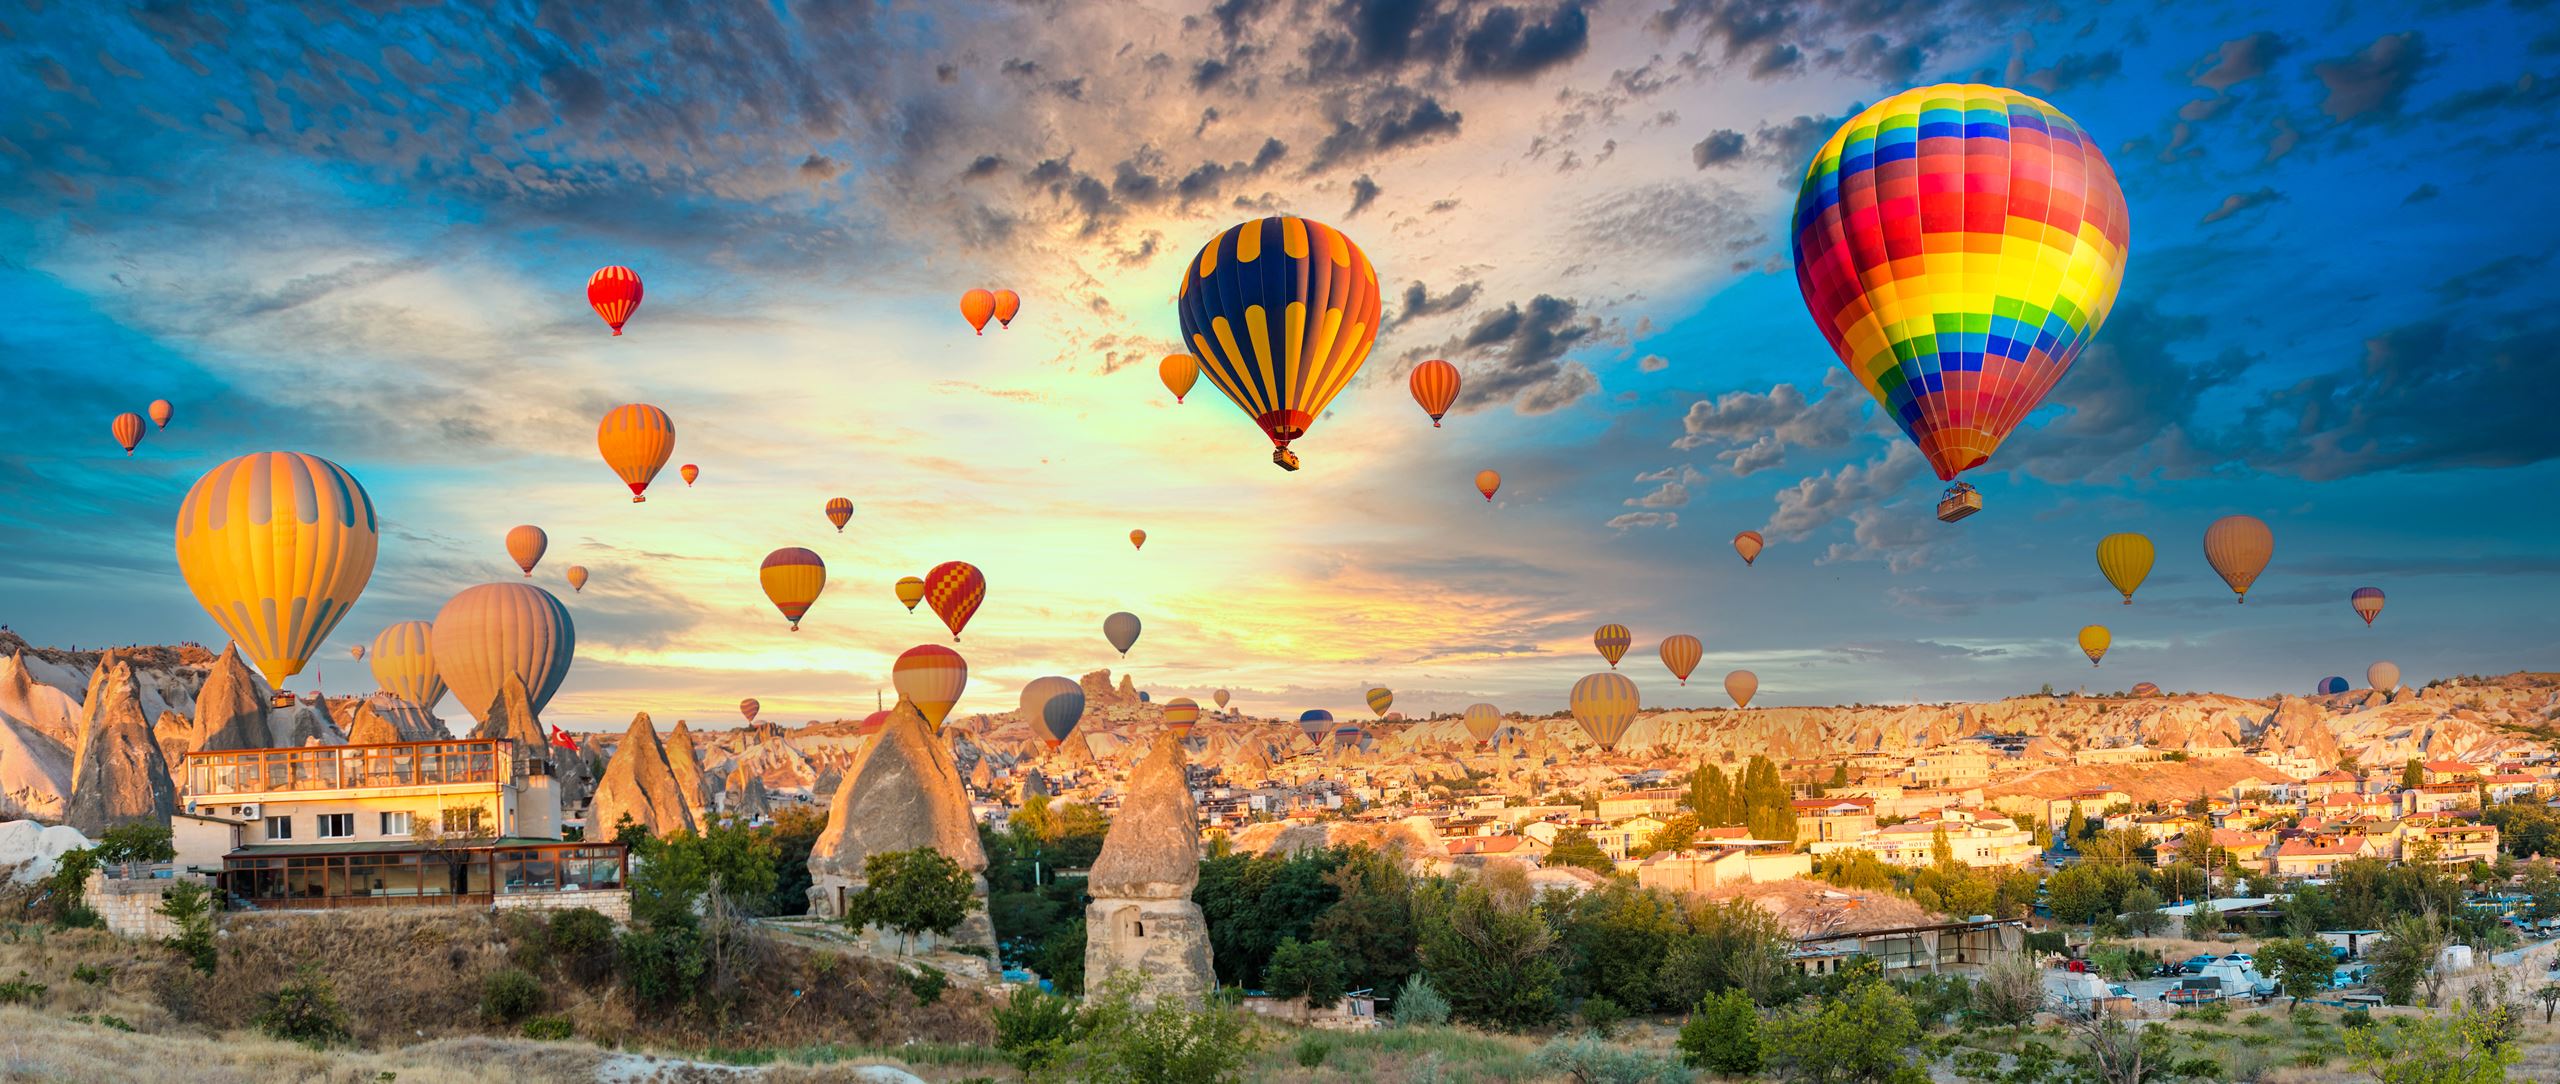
1008	303
1482	721
1179	372
1145	696
2145	688
749	707
792	577
1281	312
127	429
910	591
526	544
1681	654
1379	698
1179	715
2368	603
357	652
2093	642
615	293
1137	540
839	512
1315	721
954	589
1739	685
161	412
276	547
1122	630
931	677
1349	736
486	634
1052	705
1959	245
404	664
2238	548
690	472
1487	482
1435	386
871	724
1221	697
1612	640
2124	559
2330	685
976	306
636	439
1605	704
2384	675
1748	544
577	577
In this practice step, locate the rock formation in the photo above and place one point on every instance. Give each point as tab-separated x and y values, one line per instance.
231	712
118	774
638	784
510	716
1142	919
37	706
751	802
903	794
687	766
35	772
301	725
171	732
370	728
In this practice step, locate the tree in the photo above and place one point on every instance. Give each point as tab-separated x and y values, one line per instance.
1121	1042
2112	1053
1677	834
674	872
2142	916
2412	775
1840	774
1371	924
1731	944
137	841
1489	950
1860	1036
2549	995
1305	969
189	906
1574	847
2300	967
1711	798
1252	901
2011	990
2076	826
2407	958
2437	1048
910	892
1618	934
1723	1035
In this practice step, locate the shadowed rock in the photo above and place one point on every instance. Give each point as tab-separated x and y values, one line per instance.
39	707
370	728
510	716
231	712
902	794
687	766
119	774
638	784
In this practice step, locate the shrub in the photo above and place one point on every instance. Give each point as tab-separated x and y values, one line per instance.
911	892
2011	991
109	1021
2211	1012
1121	1043
1417	1002
1033	1027
1312	1051
1602	1014
553	1028
189	907
2051	941
91	974
136	841
1589	1059
927	984
509	995
305	1012
1723	1035
662	967
21	991
2355	1018
580	939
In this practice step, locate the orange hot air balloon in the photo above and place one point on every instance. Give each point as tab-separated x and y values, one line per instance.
690	473
487	634
1221	697
357	652
1180	714
404	663
2093	642
932	678
636	439
749	708
1739	685
526	544
792	578
615	293
577	577
1138	540
277	547
1681	654
1487	482
2238	548
839	512
910	591
1179	372
976	306
1748	544
1281	312
1605	704
954	589
161	412
1612	640
1435	386
128	430
1008	303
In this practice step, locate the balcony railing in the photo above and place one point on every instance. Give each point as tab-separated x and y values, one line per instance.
334	767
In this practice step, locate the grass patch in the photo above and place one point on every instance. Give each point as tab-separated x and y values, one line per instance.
1403	1055
945	1055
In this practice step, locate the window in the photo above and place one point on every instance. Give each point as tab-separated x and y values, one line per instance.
465	819
336	825
395	824
279	828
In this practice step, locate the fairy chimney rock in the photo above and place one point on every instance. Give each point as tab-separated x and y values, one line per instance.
231	711
370	728
1142	920
638	784
118	774
903	792
510	716
688	768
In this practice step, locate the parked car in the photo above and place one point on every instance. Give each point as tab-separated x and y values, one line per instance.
2195	965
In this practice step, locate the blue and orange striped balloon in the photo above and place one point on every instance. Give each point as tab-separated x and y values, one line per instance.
1281	312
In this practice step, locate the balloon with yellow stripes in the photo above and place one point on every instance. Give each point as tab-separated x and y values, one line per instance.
1281	312
277	546
1605	704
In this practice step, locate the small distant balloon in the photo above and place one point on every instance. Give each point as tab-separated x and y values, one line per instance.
1748	544
955	589
1008	304
792	578
1221	697
357	651
1137	540
615	293
749	707
161	412
931	677
690	472
1315	721
1487	482
840	512
1179	372
2093	642
127	429
1122	630
2125	560
1482	721
2238	548
910	591
2383	676
1380	698
1739	685
526	544
976	306
1612	640
2368	603
1680	654
635	439
1435	385
2145	688
577	577
2330	686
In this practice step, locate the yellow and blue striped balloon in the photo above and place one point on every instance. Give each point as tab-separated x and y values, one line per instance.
1281	312
277	547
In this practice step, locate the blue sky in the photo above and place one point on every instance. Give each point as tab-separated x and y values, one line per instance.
364	233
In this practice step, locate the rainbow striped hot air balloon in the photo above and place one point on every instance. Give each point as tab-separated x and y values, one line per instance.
636	439
932	678
1680	654
1605	704
1180	713
792	578
1434	384
2368	603
1612	640
403	659
955	589
1052	705
615	294
277	546
1281	312
1380	698
1959	245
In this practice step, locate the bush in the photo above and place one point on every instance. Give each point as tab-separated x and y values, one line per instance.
1312	1051
189	907
1034	1027
1723	1035
1122	1043
552	1028
910	892
1418	1003
1602	1014
2355	1018
662	967
2051	941
510	995
109	1021
927	984
1589	1059
580	939
305	1012
92	975
136	841
21	991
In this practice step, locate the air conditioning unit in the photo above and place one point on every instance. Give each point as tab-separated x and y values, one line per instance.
245	812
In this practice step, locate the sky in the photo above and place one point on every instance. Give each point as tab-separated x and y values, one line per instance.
363	231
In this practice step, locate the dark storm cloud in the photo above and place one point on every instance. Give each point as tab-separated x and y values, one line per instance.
1461	40
2240	201
1372	122
2424	192
2372	79
1363	193
2239	60
1510	42
1419	302
1721	147
2431	395
1515	354
2075	70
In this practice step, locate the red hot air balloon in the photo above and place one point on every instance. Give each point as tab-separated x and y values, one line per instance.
690	473
1435	386
1008	304
615	293
954	589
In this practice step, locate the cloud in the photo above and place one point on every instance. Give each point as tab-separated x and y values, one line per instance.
1824	498
1418	301
1643	519
2239	60
1369	123
1667	495
2075	70
1526	345
2240	201
1721	147
2372	79
2424	192
1764	426
1429	40
1652	363
1509	43
2437	394
1363	193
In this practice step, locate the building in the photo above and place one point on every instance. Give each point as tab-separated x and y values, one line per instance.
2455	842
1821	819
1914	948
1636	803
1948	768
2427	798
2310	857
2092	804
472	822
1723	861
1989	843
2447	771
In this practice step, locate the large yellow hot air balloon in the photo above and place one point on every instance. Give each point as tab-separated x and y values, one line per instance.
1681	654
792	577
1740	685
404	663
1748	544
1281	312
489	633
636	440
932	678
577	577
1179	372
2125	559
1612	640
1482	721
2093	642
1380	697
526	544
1605	704
277	546
910	591
1122	630
2238	548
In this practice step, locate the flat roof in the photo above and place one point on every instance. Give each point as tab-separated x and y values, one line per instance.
287	850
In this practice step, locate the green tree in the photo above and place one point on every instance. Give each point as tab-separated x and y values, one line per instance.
1574	847
1252	901
2089	891
1305	969
1617	935
2412	775
2142	916
1371	923
910	892
1723	1035
672	873
189	907
1732	944
2076	826
2407	957
1710	797
1859	1037
2300	967
1489	950
2462	1047
1840	774
2526	827
137	841
1677	834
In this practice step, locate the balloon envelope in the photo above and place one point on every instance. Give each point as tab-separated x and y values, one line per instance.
2383	675
127	429
615	294
910	591
1487	482
690	472
1281	312
2145	688
525	545
1680	654
577	577
1137	540
2368	603
1315	721
1435	385
2238	548
1008	305
487	633
931	677
976	306
2094	641
1180	713
1739	685
839	512
1748	544
2330	685
1122	630
1052	705
954	589
1483	720
161	412
1179	372
1612	640
1380	697
1221	697
792	577
749	707
2125	560
1605	704
635	440
404	663
276	547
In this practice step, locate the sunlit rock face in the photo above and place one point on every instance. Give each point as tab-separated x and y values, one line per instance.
1142	920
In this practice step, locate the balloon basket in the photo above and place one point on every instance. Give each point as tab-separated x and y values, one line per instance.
637	499
1284	459
1961	500
281	699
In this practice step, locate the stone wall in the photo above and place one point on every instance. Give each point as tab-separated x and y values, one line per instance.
612	903
131	905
